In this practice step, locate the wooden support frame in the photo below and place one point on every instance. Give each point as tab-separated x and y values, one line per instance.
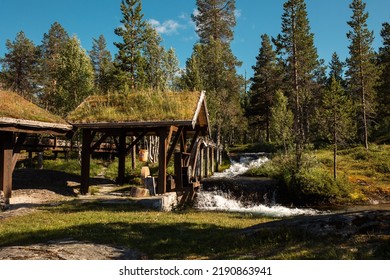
85	160
162	161
6	164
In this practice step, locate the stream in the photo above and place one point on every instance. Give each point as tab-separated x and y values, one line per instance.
226	191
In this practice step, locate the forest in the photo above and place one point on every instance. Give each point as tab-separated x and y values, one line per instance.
292	104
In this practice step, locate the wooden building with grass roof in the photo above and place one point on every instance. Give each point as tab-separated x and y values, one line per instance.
178	119
19	118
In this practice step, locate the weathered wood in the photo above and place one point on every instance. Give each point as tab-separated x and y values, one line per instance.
6	168
85	161
178	167
162	162
99	142
17	148
174	143
121	159
135	142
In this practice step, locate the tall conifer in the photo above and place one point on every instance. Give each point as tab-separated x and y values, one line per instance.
362	73
19	65
132	31
296	47
265	82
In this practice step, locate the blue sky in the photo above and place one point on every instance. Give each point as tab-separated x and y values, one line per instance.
88	19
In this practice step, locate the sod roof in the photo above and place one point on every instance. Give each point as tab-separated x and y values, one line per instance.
139	107
16	113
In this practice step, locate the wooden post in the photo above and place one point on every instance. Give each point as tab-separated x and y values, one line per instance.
134	155
212	160
162	162
178	166
122	159
85	160
201	163
207	167
6	153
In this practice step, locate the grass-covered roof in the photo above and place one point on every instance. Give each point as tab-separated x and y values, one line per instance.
13	106
146	106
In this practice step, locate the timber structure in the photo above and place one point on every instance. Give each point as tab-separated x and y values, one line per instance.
179	120
20	119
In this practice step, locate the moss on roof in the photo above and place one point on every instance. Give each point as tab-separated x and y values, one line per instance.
136	107
14	106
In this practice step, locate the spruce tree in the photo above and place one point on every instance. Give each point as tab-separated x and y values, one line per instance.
362	73
296	46
383	98
265	82
102	64
20	65
336	70
132	32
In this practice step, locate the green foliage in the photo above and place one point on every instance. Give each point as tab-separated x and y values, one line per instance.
20	66
76	77
362	72
312	184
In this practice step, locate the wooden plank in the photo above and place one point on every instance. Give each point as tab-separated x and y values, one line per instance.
6	154
99	142
162	162
135	142
85	160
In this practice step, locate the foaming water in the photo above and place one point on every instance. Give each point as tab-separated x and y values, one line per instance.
246	162
218	201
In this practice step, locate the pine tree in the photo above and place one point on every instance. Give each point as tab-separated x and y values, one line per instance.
336	116
102	63
265	82
50	53
19	65
76	77
215	21
129	58
362	73
303	69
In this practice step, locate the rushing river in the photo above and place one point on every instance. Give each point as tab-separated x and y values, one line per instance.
222	201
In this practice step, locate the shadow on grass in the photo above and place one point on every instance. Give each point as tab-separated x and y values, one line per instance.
56	181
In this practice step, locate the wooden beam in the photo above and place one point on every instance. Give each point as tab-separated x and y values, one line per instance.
174	143
162	162
85	160
122	159
99	142
135	141
6	154
18	147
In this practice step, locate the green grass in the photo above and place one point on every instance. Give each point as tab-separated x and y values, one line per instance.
181	235
137	106
362	175
13	105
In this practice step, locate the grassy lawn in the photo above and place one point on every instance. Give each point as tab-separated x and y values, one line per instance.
183	234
